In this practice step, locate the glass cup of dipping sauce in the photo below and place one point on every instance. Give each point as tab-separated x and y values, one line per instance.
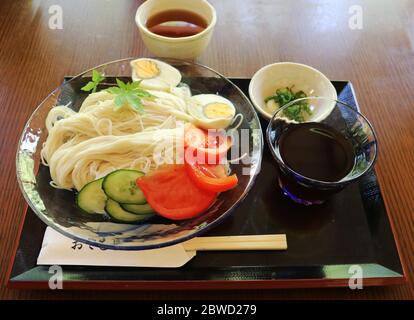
321	152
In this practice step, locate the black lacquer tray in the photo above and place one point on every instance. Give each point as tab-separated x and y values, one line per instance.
324	243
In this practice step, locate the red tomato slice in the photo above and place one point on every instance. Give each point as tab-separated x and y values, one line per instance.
204	178
214	171
173	195
205	147
194	136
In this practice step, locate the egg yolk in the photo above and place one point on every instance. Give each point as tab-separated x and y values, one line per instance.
146	69
218	110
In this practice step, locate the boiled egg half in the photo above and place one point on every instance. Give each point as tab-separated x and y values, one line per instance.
211	111
155	74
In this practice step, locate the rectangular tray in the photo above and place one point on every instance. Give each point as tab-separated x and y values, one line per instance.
352	228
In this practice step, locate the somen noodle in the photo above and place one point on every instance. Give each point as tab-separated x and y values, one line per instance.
86	145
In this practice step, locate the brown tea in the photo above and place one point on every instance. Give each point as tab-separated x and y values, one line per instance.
176	23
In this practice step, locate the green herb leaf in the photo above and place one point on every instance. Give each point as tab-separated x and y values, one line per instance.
93	85
89	86
135	102
136	84
130	94
114	90
121	84
95	76
120	100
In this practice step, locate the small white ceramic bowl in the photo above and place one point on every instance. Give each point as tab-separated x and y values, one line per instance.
180	48
268	79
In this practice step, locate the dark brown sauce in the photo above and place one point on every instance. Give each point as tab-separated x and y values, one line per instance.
317	151
176	23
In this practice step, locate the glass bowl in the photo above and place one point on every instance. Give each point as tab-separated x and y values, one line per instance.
346	121
57	207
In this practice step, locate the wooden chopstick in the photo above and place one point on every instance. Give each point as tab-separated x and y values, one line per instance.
251	242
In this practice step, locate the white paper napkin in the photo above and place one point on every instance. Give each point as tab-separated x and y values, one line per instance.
60	250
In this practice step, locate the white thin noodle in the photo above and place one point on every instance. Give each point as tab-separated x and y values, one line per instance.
86	145
240	119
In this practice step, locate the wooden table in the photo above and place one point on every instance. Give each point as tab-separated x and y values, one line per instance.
379	60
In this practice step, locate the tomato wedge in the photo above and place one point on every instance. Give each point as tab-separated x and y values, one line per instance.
194	136
205	147
214	171
203	176
173	195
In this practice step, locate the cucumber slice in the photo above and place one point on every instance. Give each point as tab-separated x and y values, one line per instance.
121	186
138	208
91	198
115	211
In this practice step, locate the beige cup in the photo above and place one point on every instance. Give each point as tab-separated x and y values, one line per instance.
180	48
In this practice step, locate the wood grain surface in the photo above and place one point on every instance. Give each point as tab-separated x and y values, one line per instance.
379	60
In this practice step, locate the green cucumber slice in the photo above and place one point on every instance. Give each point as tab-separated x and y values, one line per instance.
91	198
115	211
121	186
138	208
